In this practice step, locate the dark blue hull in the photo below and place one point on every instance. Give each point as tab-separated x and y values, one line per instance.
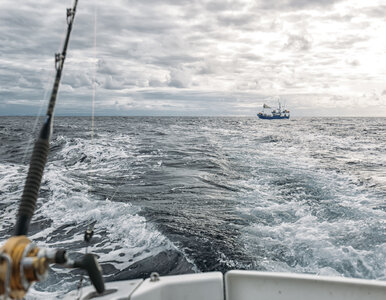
272	117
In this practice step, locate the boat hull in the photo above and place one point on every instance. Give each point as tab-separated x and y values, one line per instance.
265	117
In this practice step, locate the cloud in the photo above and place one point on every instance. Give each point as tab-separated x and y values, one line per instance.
111	84
236	18
298	42
210	65
346	41
79	79
353	62
180	78
378	11
155	82
107	67
296	4
181	51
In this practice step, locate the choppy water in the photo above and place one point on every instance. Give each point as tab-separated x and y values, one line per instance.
178	195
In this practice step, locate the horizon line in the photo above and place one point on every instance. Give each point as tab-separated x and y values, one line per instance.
221	116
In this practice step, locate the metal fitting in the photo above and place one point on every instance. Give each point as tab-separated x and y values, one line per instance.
154	277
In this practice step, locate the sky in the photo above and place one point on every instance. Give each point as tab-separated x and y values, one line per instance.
189	58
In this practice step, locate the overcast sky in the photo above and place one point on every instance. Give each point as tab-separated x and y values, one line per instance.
179	57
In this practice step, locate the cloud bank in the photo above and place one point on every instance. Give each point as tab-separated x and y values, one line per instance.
322	57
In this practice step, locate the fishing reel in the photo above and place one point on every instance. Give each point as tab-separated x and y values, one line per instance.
22	263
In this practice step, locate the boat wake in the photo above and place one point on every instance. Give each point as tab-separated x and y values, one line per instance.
180	195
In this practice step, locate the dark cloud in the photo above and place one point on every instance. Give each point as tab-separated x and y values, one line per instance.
78	79
155	82
107	67
345	41
236	18
376	12
337	17
298	42
210	65
111	84
180	78
353	62
173	60
250	56
223	5
295	4
311	3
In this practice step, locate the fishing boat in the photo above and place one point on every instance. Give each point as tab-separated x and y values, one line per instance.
274	114
22	262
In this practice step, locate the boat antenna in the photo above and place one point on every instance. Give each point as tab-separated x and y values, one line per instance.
41	148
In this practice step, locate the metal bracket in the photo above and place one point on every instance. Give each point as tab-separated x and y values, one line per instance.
23	280
58	60
70	13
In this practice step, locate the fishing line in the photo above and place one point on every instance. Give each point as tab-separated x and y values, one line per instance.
90	183
43	102
49	80
117	189
89	232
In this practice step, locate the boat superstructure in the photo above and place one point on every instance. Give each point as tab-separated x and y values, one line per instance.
277	113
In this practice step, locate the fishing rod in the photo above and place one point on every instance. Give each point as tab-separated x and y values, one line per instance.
41	148
21	262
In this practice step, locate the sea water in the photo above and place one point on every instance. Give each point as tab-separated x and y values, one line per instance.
193	194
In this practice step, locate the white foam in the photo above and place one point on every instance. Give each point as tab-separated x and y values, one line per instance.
12	177
125	236
308	239
120	223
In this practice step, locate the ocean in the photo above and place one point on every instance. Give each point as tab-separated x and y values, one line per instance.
193	194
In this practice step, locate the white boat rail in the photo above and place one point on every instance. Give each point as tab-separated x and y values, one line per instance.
240	285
